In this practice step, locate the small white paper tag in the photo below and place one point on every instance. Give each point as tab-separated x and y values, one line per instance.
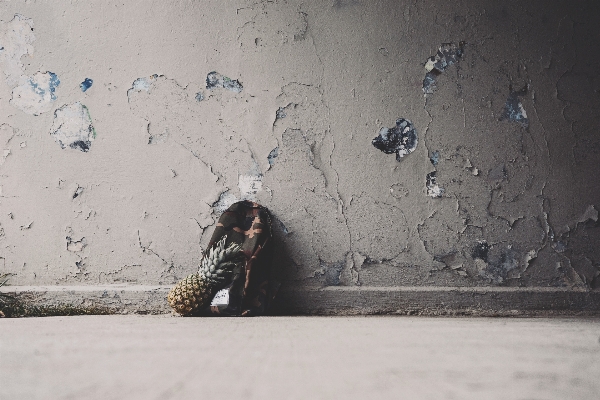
221	298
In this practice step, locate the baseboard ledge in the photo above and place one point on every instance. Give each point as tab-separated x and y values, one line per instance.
331	300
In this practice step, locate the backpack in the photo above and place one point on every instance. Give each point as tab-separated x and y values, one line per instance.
251	290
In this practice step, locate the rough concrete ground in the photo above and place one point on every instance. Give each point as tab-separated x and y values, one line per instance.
163	357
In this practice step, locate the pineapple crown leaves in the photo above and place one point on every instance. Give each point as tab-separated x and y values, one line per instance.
220	260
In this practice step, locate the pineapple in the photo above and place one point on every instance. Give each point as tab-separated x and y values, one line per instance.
196	290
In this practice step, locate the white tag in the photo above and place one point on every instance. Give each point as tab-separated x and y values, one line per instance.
221	298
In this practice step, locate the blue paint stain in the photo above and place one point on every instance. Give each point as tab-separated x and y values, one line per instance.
53	83
435	158
273	155
86	84
513	108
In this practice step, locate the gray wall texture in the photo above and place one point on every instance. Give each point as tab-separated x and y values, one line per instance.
397	143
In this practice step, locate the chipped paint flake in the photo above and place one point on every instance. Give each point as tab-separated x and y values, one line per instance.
481	250
77	192
401	139
433	189
435	158
216	80
513	108
447	54
272	156
86	84
143	84
280	113
16	38
73	127
37	95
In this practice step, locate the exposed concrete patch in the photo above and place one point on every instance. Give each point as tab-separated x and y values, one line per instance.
216	80
37	94
72	127
400	139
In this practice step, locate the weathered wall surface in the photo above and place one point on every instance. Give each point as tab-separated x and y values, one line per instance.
127	127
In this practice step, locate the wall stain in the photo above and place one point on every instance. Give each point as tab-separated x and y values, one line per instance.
216	80
447	54
513	108
86	84
433	189
37	95
400	139
72	127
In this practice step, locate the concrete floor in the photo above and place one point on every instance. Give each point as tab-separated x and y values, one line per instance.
164	357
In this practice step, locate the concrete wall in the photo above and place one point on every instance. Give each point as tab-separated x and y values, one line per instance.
492	179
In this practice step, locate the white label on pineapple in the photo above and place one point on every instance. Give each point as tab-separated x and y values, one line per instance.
221	298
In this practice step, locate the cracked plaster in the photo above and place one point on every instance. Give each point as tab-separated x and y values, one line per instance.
319	80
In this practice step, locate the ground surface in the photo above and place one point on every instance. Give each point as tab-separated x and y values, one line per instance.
163	357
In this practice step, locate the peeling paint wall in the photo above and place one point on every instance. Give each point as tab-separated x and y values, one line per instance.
126	131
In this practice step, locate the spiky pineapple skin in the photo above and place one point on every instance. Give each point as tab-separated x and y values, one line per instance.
196	290
190	293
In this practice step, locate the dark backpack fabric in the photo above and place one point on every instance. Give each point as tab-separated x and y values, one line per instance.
250	290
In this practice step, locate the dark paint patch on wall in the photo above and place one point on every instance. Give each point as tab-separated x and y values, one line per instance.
400	139
86	84
481	250
280	113
447	54
331	272
513	108
435	158
433	189
77	192
83	145
273	155
216	80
